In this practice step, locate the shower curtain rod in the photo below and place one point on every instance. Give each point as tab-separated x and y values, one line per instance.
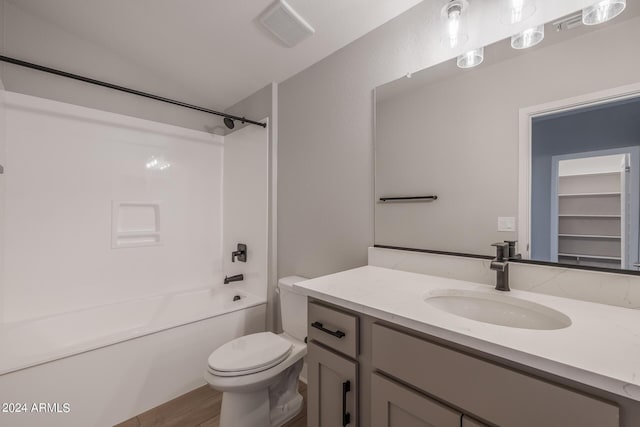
125	89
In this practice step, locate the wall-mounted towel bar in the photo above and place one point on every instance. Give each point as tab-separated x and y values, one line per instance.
409	199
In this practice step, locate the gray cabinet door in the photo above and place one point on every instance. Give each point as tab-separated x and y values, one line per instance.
393	405
332	391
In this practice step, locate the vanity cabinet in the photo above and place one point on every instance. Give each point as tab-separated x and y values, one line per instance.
393	405
400	377
487	390
332	370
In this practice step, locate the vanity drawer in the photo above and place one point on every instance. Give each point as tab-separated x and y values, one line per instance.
334	329
500	395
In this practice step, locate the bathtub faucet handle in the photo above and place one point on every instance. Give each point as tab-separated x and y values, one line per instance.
240	254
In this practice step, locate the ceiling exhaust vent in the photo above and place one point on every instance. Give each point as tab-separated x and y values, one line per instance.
568	22
285	23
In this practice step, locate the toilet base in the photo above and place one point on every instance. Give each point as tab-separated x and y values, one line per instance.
271	406
282	415
252	410
245	409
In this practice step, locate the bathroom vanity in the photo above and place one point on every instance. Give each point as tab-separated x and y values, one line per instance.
380	353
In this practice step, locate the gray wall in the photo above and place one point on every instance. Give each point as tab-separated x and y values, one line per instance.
26	36
459	137
617	126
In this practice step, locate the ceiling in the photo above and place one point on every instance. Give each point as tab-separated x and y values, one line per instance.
213	52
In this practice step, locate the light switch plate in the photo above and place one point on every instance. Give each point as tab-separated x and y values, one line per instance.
506	223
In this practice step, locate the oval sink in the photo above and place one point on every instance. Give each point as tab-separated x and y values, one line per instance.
497	309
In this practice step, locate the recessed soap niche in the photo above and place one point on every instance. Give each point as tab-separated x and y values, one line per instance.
135	224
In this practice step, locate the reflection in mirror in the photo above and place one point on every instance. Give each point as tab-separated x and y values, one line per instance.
584	185
537	145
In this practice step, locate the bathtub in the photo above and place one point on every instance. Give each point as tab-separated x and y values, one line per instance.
115	361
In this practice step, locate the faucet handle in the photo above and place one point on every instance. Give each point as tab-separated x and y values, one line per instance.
502	250
512	249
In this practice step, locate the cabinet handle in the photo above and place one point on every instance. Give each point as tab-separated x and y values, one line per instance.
337	333
346	417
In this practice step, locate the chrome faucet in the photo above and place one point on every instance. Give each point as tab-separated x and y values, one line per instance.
500	264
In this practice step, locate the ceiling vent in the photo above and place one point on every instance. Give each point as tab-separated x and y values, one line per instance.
285	23
568	22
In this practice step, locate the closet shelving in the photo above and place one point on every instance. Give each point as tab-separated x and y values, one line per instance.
590	219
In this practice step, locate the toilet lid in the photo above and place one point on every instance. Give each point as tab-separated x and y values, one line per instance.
250	353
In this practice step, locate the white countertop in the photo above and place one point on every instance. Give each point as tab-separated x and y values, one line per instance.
601	347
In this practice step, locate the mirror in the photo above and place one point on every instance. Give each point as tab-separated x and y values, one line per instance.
537	145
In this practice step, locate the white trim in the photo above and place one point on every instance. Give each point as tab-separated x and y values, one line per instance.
272	321
554	222
524	146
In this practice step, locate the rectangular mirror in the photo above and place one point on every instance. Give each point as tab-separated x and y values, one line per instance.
539	145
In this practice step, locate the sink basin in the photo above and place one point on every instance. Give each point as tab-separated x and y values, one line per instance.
498	309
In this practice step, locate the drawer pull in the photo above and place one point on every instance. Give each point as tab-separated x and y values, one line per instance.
346	417
337	333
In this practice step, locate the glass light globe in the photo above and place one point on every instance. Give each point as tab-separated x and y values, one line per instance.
454	17
518	11
471	59
528	38
602	11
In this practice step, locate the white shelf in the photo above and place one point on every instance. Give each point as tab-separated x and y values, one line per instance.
588	216
607	194
590	236
591	174
612	258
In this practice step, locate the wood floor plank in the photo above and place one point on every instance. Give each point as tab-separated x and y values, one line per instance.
213	422
131	422
187	410
199	408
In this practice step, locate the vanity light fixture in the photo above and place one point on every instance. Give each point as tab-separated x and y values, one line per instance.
454	17
528	38
519	10
603	11
471	59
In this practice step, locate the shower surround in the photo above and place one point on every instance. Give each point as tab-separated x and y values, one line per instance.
113	245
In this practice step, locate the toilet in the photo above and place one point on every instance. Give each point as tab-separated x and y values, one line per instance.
258	373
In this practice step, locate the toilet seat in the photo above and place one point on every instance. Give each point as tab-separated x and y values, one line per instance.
249	354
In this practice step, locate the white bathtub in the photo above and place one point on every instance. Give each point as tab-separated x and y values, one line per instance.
112	362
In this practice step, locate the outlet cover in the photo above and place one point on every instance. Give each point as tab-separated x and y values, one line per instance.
506	223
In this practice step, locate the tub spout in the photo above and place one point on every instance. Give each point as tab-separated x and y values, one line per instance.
236	278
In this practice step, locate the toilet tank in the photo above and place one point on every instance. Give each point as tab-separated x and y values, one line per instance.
293	308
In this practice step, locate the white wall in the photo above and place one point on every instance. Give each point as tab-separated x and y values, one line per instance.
65	166
2	195
246	206
325	161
